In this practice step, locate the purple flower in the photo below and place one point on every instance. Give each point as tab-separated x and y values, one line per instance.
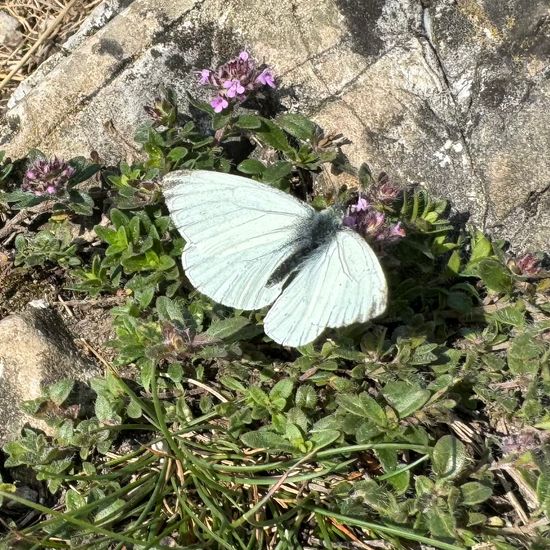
391	234
528	265
361	206
363	217
47	177
266	78
234	88
205	76
383	191
219	103
236	80
387	192
350	221
396	232
373	222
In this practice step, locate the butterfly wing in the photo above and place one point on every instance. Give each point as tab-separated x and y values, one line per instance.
341	284
237	233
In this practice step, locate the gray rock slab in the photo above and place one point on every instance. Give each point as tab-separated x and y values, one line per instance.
36	350
454	96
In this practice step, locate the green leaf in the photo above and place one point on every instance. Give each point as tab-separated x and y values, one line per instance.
31	448
118	241
34	154
169	310
59	391
512	315
249	122
474	492
232	384
165	263
104	409
118	218
423	485
262	439
294	435
6	488
271	134
225	328
352	404
400	482
306	398
277	171
175	372
543	492
481	247
365	176
524	354
423	355
200	105
134	409
363	405
448	457
251	166
323	438
74	500
441	523
459	301
296	416
282	389
405	398
220	120
496	276
178	153
375	496
475	518
454	263
258	396
146	374
297	125
106	234
81	203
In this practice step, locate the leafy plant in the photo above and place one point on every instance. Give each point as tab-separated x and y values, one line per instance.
54	245
203	434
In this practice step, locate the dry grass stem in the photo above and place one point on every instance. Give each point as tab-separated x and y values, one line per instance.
44	26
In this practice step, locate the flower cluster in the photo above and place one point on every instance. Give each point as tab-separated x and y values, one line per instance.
528	265
235	81
365	216
384	192
47	177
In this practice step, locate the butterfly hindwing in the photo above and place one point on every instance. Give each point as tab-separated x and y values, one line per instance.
342	283
237	233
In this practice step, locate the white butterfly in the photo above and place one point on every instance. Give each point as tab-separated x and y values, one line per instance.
249	245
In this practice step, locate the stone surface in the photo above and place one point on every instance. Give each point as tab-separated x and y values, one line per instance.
452	95
35	350
9	30
97	19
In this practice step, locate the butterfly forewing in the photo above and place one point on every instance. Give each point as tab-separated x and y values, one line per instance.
342	283
237	231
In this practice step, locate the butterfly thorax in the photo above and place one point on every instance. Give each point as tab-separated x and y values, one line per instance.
309	237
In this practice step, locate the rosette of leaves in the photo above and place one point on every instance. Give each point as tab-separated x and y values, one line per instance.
66	196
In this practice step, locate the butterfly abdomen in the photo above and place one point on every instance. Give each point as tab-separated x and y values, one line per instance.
309	238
